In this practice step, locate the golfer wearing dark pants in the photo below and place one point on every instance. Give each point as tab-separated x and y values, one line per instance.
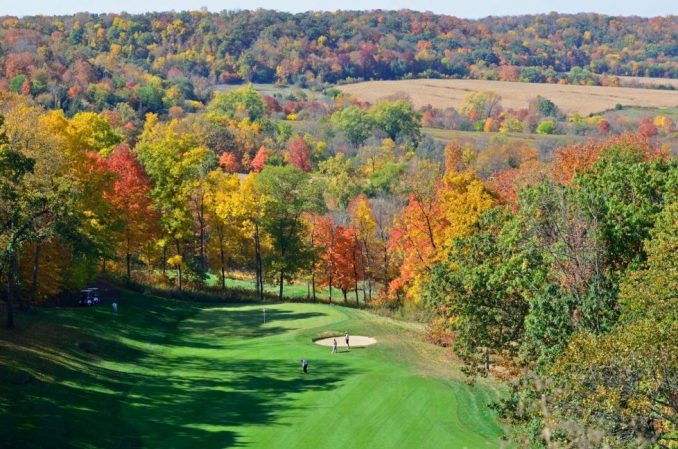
304	365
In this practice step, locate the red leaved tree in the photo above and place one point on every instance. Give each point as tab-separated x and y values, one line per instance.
260	159
130	198
300	153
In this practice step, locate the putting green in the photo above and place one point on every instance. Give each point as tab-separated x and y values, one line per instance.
180	375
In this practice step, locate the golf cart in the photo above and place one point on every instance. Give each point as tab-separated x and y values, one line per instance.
88	297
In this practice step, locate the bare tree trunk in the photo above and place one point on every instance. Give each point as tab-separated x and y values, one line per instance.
10	292
330	284
386	279
282	270
34	279
164	260
355	274
179	279
18	282
368	271
313	286
282	279
223	267
259	265
201	220
128	258
313	263
313	276
222	256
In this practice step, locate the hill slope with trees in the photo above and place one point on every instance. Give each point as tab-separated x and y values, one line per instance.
158	61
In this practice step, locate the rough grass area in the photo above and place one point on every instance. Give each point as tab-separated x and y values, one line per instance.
276	91
636	113
450	93
482	139
171	374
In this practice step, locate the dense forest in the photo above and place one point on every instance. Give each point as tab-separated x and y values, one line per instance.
551	268
158	61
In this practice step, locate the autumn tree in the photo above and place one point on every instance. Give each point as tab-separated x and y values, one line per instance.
38	193
339	257
254	203
324	240
131	198
17	213
623	383
365	227
299	153
478	291
479	106
89	131
348	266
239	104
383	211
226	217
356	124
397	120
430	222
260	159
175	164
341	181
288	193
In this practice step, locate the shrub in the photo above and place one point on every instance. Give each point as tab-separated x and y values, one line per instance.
547	127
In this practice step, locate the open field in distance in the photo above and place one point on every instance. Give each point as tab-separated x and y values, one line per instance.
649	81
570	99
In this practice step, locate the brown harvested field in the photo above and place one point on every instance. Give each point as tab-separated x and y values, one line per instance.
570	99
649	82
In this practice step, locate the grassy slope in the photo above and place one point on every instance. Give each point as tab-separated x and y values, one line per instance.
636	113
171	374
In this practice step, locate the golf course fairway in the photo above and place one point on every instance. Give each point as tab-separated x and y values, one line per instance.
171	374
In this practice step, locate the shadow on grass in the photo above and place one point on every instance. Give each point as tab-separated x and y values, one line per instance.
128	392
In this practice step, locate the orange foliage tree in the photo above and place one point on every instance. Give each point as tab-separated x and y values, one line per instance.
259	160
422	232
578	158
339	264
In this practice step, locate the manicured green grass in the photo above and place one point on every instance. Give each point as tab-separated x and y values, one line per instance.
171	374
297	290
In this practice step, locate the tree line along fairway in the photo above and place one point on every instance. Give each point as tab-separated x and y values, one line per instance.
172	374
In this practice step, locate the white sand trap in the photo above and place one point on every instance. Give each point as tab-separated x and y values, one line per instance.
356	341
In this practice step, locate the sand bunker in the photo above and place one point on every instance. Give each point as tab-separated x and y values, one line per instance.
356	341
